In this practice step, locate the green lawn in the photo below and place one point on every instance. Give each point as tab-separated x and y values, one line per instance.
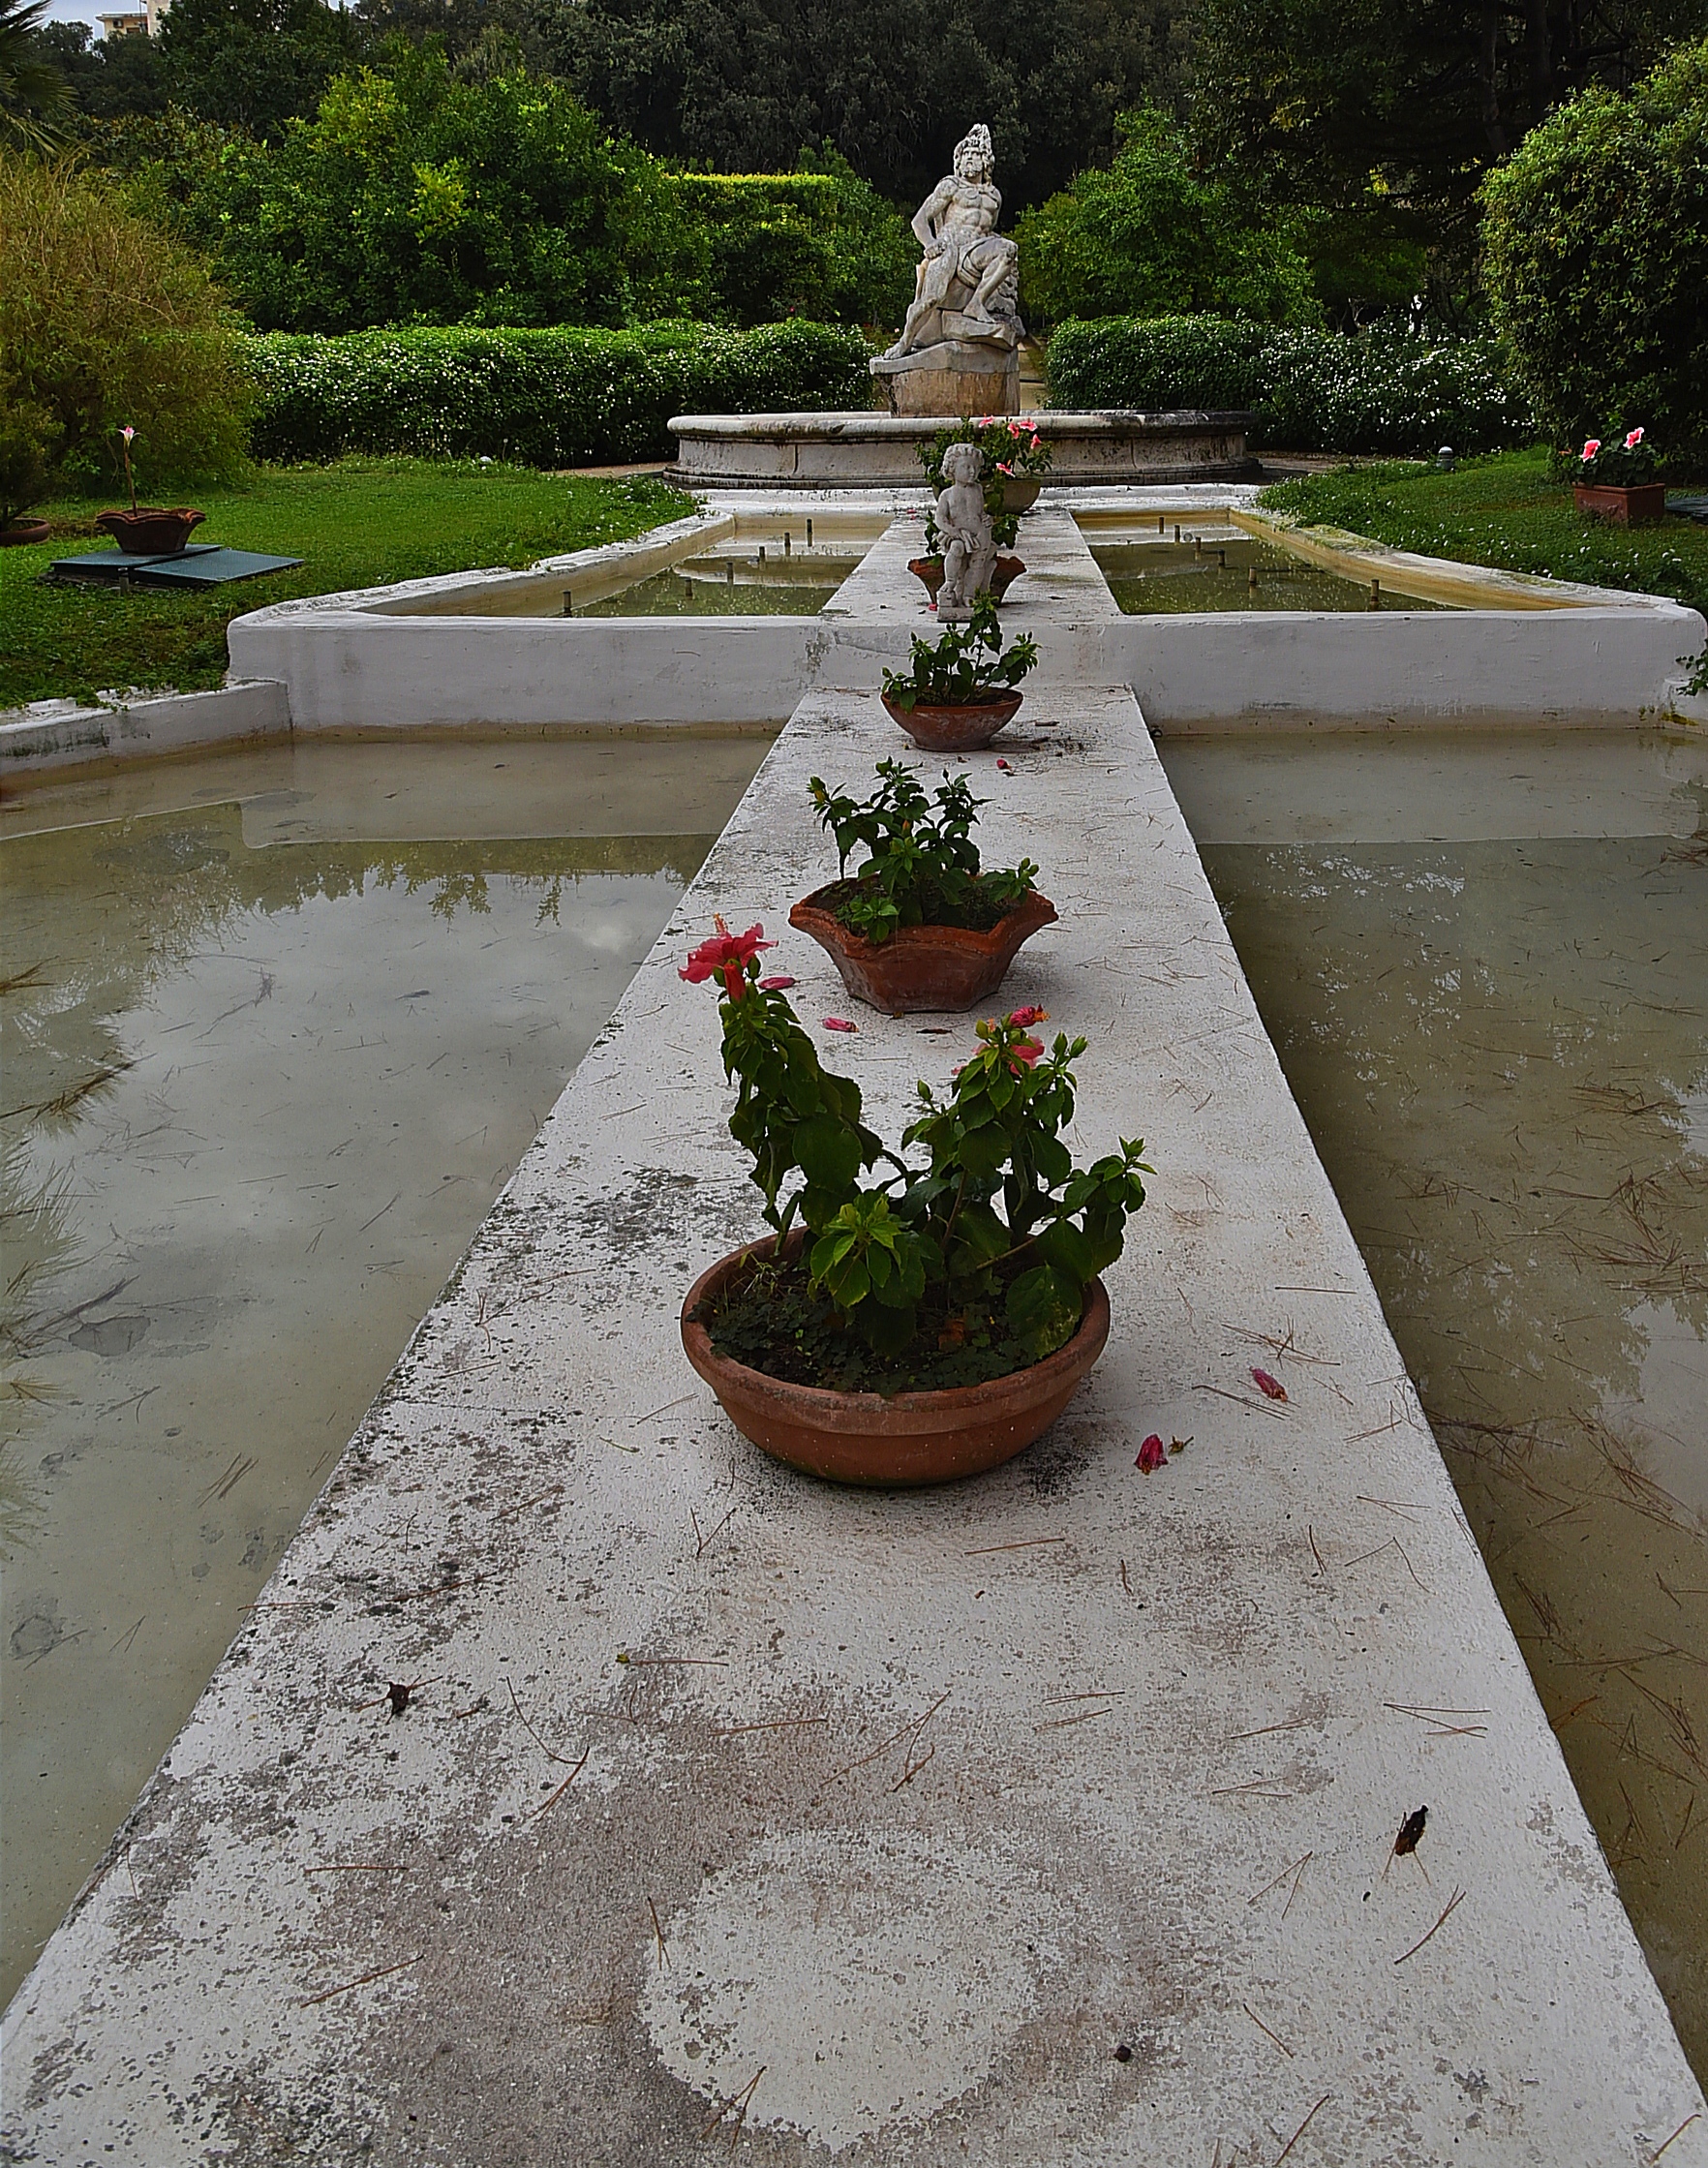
1504	511
359	523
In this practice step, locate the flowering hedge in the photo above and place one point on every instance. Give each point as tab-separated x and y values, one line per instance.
1377	392
550	398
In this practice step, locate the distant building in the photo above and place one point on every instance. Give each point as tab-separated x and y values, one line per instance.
142	22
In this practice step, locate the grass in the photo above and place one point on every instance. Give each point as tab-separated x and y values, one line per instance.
357	523
1505	512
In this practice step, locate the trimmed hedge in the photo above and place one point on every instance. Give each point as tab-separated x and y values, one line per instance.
549	398
1375	391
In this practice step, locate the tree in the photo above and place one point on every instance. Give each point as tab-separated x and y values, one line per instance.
1150	235
255	64
33	99
1388	112
739	86
1596	260
106	79
105	320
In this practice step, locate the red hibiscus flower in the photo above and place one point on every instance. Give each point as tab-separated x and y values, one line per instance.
1021	1018
726	954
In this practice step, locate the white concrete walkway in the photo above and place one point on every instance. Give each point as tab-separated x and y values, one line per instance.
1047	1818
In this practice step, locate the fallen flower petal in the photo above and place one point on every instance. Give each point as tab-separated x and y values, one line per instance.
1272	1387
1151	1454
1005	768
840	1024
778	983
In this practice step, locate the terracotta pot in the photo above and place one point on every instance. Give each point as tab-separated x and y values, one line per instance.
962	727
923	966
151	531
928	571
1643	504
909	1438
1019	495
21	532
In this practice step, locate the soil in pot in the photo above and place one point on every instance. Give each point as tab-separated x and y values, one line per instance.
962	727
21	532
939	966
151	529
876	1427
929	572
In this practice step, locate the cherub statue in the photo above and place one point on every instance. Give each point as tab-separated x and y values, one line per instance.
968	269
964	527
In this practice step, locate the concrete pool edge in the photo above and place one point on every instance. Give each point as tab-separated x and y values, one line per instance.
1536	1987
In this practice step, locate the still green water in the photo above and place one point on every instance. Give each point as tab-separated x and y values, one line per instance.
1482	962
276	1028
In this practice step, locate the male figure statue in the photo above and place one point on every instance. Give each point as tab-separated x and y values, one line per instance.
968	267
964	527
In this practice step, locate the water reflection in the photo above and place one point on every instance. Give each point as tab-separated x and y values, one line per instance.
1501	1046
262	1080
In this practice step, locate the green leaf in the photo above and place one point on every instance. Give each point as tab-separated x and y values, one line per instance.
1063	1245
827	1152
1044	1308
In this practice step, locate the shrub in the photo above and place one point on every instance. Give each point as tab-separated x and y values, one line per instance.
103	321
27	441
1376	390
1151	236
1596	259
544	398
817	242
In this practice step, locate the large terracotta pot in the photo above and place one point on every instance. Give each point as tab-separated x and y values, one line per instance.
937	967
962	728
1643	505
22	532
928	571
151	529
1019	496
909	1438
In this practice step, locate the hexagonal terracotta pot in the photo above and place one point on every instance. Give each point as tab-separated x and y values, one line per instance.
929	572
923	966
962	727
151	529
909	1438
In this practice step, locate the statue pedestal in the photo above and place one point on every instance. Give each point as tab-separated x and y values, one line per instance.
954	377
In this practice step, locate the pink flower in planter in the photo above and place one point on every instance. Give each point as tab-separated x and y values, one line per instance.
1591	445
725	954
1024	1053
1022	1019
1003	467
1633	440
779	983
1152	1453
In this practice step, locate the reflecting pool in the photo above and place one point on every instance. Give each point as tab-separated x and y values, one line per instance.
1481	960
276	1028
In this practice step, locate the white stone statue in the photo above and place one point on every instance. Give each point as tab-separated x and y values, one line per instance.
963	529
959	349
967	286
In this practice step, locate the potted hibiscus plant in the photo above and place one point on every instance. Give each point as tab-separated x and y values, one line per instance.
147	530
909	1318
1016	460
1614	478
959	690
920	924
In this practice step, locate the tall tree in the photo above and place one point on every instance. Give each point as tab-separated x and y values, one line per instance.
33	98
255	64
1391	110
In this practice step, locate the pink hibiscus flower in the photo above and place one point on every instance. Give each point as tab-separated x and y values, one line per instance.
725	954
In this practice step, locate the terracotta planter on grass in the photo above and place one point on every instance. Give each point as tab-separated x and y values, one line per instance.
923	967
1643	505
151	529
962	727
23	531
929	572
907	1439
